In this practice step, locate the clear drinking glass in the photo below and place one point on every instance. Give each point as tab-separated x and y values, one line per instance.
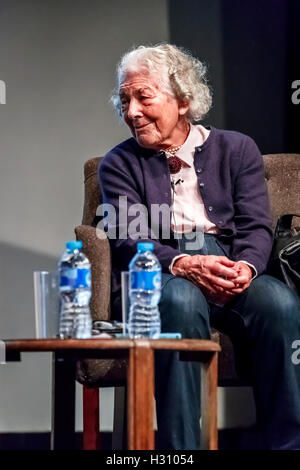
46	303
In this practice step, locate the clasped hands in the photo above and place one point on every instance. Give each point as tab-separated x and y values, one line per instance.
219	278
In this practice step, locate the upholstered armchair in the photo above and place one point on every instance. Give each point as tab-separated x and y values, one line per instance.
282	173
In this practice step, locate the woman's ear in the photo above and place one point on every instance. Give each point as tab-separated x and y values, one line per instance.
183	107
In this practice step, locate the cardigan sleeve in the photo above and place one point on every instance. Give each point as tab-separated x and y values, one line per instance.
253	240
122	186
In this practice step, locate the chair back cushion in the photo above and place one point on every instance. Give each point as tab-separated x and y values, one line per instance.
282	172
92	191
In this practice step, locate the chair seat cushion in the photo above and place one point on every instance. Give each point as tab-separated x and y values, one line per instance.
102	372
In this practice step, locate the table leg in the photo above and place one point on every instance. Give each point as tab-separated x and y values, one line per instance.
119	436
90	405
140	397
209	384
63	403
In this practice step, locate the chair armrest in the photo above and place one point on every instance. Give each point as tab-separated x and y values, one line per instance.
98	252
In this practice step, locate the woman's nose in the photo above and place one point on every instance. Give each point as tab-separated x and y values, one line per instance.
134	109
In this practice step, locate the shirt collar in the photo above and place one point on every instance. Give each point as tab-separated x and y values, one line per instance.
197	135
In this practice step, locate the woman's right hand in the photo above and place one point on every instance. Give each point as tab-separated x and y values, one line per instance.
214	275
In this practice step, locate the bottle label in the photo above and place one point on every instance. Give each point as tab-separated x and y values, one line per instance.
75	278
148	280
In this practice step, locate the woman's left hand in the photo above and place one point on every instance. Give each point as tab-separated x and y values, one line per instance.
242	282
244	278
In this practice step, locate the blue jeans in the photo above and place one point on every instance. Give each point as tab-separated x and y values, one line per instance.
262	323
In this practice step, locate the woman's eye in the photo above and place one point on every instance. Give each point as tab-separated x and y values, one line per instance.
124	104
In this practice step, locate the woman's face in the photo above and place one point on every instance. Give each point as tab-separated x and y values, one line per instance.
155	118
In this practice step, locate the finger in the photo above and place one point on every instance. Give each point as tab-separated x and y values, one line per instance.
216	269
241	279
210	281
229	292
208	287
238	290
226	261
219	281
221	270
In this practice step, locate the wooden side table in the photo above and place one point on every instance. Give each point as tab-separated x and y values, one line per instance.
141	388
140	382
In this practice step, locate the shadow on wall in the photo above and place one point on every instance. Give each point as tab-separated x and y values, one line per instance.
16	289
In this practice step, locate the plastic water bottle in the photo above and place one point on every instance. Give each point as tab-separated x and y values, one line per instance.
144	293
75	292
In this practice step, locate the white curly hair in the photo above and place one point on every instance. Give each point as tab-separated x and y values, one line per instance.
182	75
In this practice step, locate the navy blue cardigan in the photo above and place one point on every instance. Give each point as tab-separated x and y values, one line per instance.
230	174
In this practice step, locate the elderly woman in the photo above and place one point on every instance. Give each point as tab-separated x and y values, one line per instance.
219	243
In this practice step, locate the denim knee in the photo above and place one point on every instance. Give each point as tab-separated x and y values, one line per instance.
184	309
275	303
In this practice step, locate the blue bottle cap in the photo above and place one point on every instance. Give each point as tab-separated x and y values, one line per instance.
73	245
144	247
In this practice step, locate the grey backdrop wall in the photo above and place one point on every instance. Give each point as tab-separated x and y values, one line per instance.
57	59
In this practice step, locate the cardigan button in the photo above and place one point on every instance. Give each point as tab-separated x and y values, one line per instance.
210	208
201	185
199	170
